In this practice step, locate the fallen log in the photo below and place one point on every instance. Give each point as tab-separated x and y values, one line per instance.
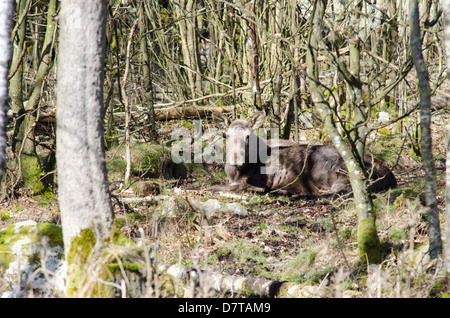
241	285
188	112
180	112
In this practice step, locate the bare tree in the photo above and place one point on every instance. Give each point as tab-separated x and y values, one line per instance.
6	13
186	14
146	72
425	137
31	167
347	134
84	196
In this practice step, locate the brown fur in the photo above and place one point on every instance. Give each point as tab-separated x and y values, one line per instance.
302	169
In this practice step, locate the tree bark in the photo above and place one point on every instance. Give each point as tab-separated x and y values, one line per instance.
253	56
425	136
446	6
241	285
276	57
84	196
6	14
147	74
186	14
15	82
31	166
127	105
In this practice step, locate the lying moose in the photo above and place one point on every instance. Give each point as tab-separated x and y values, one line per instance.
287	168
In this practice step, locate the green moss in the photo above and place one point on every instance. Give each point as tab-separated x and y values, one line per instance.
91	264
53	232
32	173
145	188
224	252
132	267
27	234
81	247
170	286
368	242
303	268
81	281
439	288
5	215
6	238
385	131
120	239
48	196
145	159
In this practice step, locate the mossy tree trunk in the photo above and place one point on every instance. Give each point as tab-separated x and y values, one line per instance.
6	14
84	196
425	136
368	241
24	144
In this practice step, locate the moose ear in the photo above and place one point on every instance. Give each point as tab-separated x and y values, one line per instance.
220	120
257	119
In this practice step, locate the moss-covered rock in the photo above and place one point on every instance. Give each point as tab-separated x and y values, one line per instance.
31	260
173	207
145	159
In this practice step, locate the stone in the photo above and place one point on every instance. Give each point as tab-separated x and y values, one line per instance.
31	261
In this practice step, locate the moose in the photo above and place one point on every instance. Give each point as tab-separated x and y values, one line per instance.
287	167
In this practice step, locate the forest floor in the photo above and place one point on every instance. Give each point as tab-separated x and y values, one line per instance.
309	241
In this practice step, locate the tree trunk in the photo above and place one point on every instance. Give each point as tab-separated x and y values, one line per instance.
24	147
276	58
368	241
127	105
186	14
84	197
147	74
425	136
32	169
6	14
446	6
16	75
253	56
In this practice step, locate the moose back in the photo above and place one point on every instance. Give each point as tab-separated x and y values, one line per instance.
284	167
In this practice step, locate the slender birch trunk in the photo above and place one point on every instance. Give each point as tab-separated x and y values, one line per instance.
368	241
6	14
425	136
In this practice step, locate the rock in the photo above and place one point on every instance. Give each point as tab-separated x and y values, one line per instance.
211	207
31	260
145	188
173	207
384	117
236	208
208	208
